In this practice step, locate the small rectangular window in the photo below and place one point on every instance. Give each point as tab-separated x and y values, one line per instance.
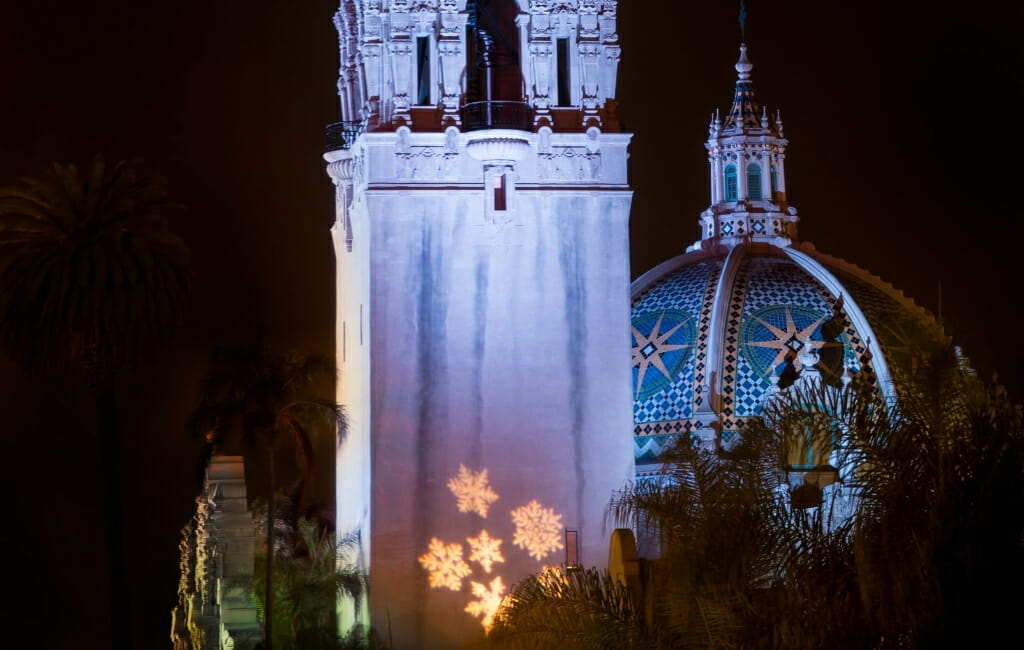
562	61
423	70
499	192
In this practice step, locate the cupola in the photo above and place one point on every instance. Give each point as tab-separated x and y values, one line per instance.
746	154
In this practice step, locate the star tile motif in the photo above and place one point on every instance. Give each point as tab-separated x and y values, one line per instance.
791	340
650	349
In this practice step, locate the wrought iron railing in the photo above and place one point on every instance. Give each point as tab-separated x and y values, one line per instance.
342	135
477	116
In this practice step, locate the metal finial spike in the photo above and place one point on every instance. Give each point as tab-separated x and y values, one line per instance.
743	22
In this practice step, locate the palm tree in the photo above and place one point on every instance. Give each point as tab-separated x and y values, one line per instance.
940	531
308	581
91	276
576	609
258	400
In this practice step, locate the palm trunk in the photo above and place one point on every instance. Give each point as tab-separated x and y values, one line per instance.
120	603
268	611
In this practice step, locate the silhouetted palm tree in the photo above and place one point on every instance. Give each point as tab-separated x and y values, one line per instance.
307	583
919	543
578	609
90	275
252	398
940	529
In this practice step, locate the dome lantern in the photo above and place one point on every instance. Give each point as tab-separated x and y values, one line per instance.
746	154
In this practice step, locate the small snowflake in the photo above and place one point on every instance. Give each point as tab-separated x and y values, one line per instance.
485	550
472	493
488	600
538	529
445	564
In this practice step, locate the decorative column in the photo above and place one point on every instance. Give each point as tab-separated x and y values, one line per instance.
371	49
612	52
766	176
340	172
400	55
590	60
741	174
451	54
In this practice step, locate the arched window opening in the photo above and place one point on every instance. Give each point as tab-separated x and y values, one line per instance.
775	182
422	70
809	436
754	182
731	189
493	65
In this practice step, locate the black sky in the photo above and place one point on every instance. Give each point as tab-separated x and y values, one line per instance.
902	120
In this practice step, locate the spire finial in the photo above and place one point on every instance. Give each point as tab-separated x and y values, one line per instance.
743	22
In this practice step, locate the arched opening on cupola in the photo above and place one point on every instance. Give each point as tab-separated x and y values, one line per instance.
754	182
810	435
731	186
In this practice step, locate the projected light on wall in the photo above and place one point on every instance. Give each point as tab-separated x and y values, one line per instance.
488	600
538	531
445	564
472	492
485	550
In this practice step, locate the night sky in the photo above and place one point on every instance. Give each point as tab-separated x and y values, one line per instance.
901	117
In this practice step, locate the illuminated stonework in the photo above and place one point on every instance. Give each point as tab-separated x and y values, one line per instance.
482	292
472	492
488	601
538	529
485	550
445	564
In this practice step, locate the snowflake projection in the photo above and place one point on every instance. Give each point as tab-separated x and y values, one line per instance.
488	600
538	529
445	564
485	549
472	493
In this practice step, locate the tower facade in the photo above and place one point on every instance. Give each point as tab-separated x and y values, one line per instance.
483	302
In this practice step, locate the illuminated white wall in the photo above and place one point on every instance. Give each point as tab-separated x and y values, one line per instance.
492	341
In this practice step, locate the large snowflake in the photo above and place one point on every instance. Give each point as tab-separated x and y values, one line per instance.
472	493
538	529
485	549
488	600
445	564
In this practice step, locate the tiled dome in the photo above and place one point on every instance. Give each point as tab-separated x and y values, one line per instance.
711	327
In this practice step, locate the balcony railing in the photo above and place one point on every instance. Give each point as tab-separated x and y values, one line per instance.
342	135
477	116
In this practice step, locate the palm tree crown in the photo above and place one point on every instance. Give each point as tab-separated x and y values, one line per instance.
90	275
88	269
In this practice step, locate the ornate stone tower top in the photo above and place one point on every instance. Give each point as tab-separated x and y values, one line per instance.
474	64
748	180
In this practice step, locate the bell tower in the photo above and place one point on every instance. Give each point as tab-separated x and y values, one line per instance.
482	269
